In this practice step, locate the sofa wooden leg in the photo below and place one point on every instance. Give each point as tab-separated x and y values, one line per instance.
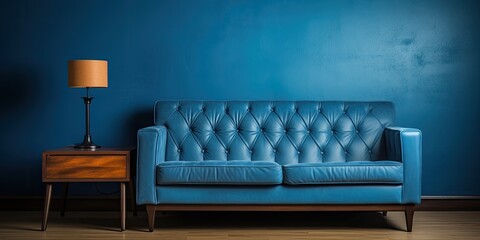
151	209
409	211
384	213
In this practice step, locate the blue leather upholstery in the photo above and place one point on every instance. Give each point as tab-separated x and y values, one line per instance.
284	132
150	152
405	145
359	172
198	143
219	172
280	194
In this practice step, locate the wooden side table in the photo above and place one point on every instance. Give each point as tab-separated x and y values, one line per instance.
84	165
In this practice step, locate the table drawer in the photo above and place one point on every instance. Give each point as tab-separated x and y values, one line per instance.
86	167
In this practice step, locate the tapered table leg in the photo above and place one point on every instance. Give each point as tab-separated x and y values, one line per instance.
65	195
46	206
132	198
122	206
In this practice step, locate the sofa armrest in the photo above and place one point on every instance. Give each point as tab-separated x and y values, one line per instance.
150	152
405	145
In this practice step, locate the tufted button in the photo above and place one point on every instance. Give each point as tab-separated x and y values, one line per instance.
333	132
178	150
248	109
345	152
308	131
177	108
203	150
226	151
274	150
250	151
261	129
226	110
189	129
214	131
284	130
343	111
356	131
298	152
321	152
202	109
296	110
272	109
370	151
237	130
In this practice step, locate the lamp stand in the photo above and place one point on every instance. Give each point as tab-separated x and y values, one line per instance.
87	139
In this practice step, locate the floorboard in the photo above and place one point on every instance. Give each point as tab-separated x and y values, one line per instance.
243	225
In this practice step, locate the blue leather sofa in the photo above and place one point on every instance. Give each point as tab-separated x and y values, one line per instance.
278	156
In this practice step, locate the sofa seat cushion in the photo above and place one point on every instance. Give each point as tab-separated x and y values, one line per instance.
219	172
357	172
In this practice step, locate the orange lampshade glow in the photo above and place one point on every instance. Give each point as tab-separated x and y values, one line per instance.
87	73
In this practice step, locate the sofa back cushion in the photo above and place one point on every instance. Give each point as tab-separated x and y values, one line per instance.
282	131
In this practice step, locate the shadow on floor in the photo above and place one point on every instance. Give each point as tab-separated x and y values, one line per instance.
110	221
253	220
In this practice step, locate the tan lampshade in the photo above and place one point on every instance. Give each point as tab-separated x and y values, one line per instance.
87	73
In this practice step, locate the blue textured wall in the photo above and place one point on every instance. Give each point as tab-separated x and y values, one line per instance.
422	55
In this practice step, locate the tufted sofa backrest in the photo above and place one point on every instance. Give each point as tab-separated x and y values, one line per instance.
281	131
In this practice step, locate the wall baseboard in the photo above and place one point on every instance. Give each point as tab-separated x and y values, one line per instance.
102	203
450	197
74	203
450	204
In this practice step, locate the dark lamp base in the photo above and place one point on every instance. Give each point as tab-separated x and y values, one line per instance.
87	143
87	139
86	146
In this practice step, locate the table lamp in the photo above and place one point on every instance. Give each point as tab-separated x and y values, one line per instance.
87	74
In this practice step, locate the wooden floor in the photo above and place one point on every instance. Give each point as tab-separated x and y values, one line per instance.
243	225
